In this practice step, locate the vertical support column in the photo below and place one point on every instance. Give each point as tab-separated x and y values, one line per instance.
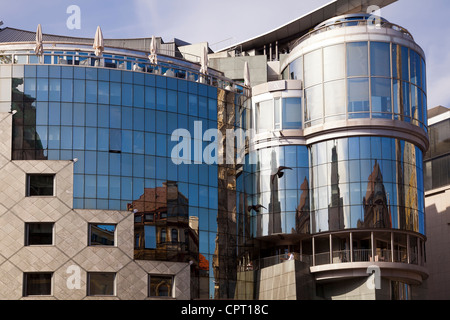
270	52
372	245
301	250
418	251
313	252
351	246
276	51
392	247
408	260
331	248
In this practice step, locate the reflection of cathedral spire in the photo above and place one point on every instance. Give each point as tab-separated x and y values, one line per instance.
274	205
303	219
375	203
335	208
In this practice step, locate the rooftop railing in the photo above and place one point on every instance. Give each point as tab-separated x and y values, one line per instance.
369	23
166	65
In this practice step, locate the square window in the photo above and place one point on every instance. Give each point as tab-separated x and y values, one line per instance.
101	234
101	283
37	284
39	233
161	286
40	185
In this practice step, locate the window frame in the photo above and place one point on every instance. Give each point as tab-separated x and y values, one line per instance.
88	284
90	244
171	294
25	288
28	184
27	234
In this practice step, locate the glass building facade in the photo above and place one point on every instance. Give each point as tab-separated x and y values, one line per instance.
332	165
336	178
437	158
119	127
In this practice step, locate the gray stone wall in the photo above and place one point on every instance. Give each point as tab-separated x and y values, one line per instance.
70	244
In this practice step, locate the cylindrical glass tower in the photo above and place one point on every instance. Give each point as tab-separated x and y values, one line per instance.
339	145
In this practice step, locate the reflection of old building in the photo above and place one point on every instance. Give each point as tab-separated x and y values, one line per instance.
163	228
375	202
26	136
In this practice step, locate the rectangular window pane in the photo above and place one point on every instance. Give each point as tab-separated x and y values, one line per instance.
381	95
150	237
357	59
313	68
101	234
115	140
264	116
277	118
101	284
292	113
380	61
39	233
334	97
40	185
334	62
358	95
314	103
37	284
161	286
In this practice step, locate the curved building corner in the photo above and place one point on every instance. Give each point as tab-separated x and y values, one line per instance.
337	181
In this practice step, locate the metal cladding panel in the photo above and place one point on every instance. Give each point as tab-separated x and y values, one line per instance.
303	24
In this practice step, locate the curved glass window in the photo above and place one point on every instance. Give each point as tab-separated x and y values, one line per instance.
362	80
334	62
292	113
358	97
381	98
366	182
380	59
313	68
313	104
296	69
282	185
334	95
264	116
357	59
278	114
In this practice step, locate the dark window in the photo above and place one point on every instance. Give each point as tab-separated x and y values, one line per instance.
161	286
101	234
174	235
37	284
40	185
39	233
101	283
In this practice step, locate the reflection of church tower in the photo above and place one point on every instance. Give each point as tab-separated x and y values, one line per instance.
302	220
376	208
274	205
411	200
335	208
401	218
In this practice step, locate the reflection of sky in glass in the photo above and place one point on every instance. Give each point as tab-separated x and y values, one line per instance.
106	227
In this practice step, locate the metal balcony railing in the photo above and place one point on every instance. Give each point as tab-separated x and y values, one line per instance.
166	66
369	23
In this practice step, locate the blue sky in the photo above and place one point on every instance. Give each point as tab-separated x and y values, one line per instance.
224	24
